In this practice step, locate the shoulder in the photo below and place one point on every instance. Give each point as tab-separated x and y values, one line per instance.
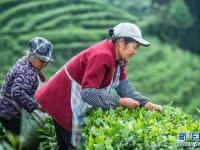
101	59
102	51
23	67
103	46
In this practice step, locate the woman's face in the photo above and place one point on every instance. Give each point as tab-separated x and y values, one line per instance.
128	51
38	64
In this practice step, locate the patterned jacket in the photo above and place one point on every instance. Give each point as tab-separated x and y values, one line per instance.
19	85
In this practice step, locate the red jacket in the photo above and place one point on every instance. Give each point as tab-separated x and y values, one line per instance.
91	68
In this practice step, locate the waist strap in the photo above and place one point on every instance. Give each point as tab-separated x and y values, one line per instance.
11	101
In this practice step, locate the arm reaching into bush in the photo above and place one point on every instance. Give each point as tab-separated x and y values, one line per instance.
128	102
126	89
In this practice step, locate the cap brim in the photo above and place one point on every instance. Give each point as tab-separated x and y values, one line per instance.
142	42
47	60
52	59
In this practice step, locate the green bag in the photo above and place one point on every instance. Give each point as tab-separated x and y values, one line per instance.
30	122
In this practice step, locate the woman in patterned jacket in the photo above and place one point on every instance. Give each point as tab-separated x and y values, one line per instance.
86	80
21	82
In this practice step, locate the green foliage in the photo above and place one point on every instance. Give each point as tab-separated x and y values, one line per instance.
129	129
175	13
137	7
198	110
136	129
7	140
179	15
175	21
47	135
73	26
2	133
70	25
161	72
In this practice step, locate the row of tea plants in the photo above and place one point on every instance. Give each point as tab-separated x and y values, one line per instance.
122	129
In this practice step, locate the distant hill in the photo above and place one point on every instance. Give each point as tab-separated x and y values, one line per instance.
70	25
161	72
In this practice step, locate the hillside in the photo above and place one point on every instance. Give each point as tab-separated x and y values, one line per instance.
165	73
162	72
70	25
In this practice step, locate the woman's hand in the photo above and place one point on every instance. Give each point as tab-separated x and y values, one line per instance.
157	107
152	106
40	108
128	102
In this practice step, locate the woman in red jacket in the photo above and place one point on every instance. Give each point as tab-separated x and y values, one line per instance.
86	80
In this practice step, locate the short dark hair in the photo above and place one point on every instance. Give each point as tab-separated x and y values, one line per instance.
127	40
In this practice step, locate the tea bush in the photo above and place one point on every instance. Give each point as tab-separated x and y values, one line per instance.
136	128
122	129
7	140
2	132
48	136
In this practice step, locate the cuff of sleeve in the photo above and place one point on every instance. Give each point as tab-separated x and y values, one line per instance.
116	99
143	102
32	107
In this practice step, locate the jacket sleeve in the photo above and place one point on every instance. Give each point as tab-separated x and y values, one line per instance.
99	98
125	89
22	89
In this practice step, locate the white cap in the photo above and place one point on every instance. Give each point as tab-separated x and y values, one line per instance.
129	30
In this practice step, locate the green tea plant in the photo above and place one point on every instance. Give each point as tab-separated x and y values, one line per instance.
2	132
7	140
123	129
47	135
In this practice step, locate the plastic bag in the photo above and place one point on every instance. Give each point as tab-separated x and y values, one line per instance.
30	122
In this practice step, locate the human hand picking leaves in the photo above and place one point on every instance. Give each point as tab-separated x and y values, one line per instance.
152	106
